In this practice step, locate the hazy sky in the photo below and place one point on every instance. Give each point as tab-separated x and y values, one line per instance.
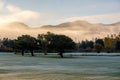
44	12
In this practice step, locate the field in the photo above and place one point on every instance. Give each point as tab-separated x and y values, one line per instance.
51	67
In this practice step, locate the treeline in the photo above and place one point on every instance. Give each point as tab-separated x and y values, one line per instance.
51	42
43	43
111	43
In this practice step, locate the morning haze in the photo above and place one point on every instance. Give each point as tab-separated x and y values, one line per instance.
76	18
77	30
59	39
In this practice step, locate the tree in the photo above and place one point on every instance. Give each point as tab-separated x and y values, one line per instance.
117	44
90	44
99	45
43	42
86	45
59	43
83	45
26	42
109	43
99	41
7	44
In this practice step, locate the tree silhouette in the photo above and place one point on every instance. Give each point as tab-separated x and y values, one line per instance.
26	42
59	43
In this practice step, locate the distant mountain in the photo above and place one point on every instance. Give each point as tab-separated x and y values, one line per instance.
78	30
68	25
116	24
14	25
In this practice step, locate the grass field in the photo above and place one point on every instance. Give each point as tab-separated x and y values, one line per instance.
51	67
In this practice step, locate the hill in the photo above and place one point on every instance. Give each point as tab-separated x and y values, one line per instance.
77	30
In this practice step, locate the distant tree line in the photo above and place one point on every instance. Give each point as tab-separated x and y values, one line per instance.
51	42
111	43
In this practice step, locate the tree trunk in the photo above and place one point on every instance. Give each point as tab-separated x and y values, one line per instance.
15	52
45	52
98	51
22	52
32	54
61	51
61	55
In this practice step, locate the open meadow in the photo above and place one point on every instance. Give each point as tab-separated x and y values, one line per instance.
51	67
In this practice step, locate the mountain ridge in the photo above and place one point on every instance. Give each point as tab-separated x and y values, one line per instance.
78	29
65	24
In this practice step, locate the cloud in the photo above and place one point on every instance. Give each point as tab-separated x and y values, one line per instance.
11	13
14	13
105	18
13	9
1	5
23	16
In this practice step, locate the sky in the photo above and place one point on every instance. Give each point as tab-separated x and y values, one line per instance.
52	12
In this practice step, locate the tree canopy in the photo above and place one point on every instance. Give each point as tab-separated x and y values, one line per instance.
26	42
58	43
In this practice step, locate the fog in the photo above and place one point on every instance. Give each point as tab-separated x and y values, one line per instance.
78	30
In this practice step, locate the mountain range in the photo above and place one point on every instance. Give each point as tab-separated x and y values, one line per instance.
77	30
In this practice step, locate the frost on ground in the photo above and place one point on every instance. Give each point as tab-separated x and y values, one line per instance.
16	67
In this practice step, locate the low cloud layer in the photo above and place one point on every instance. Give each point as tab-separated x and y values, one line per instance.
78	30
1	5
106	18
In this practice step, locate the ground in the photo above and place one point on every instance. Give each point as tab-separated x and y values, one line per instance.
51	67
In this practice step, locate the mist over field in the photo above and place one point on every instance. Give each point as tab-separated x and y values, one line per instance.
77	30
